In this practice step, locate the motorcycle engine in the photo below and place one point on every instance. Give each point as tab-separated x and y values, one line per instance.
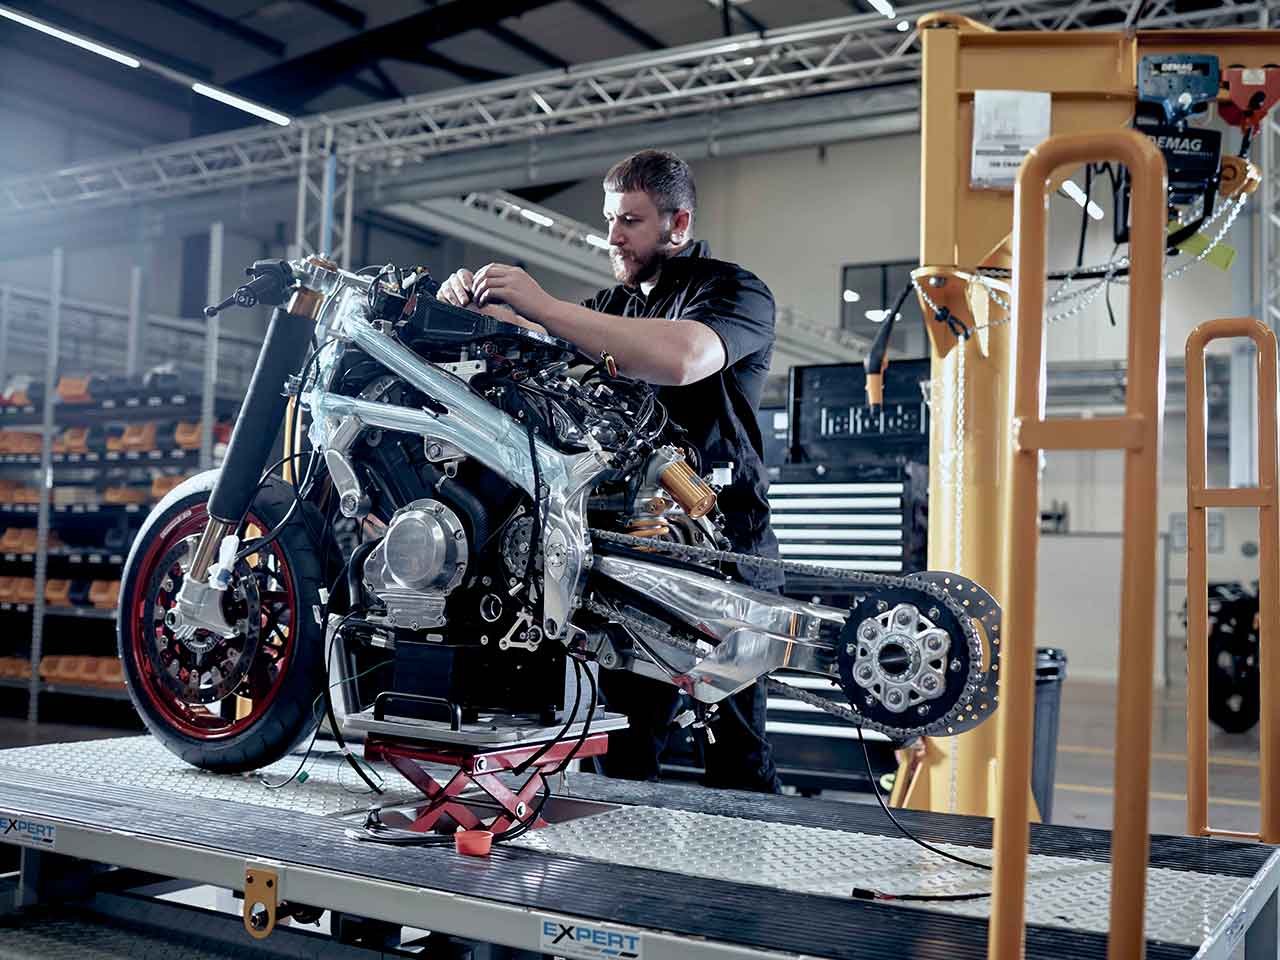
421	559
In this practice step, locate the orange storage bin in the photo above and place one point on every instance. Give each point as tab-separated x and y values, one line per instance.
24	590
25	495
163	484
186	435
138	437
11	540
8	589
72	440
51	668
57	593
124	495
110	672
87	669
74	390
15	668
105	594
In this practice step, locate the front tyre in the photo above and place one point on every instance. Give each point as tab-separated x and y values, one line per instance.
224	704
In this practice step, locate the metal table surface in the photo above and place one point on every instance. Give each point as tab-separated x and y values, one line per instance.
693	872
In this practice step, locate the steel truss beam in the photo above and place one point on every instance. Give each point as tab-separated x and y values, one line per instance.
517	229
853	53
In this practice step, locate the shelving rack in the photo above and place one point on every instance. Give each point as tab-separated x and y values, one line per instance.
105	339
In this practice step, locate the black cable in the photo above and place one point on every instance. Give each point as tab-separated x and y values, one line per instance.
535	533
586	726
570	717
310	746
1111	314
875	788
1084	214
330	715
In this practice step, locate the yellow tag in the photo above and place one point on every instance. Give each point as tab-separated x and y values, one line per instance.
1221	256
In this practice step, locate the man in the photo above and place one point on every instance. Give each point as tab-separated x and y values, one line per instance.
710	366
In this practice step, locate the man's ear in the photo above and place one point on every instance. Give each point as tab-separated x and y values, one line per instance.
681	225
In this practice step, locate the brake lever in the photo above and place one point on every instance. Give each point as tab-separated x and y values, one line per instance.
271	283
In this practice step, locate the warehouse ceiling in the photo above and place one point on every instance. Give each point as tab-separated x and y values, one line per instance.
306	56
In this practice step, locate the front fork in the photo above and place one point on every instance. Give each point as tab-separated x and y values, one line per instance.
288	336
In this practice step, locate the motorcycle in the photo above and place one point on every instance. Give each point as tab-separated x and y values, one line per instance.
514	508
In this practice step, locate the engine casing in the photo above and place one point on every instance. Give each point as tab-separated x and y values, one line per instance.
420	561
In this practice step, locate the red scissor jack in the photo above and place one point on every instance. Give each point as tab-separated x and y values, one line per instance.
478	768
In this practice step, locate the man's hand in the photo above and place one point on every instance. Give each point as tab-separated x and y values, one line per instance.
457	289
501	283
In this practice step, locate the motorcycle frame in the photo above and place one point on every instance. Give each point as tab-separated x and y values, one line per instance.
757	632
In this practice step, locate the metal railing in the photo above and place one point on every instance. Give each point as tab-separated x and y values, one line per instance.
1266	497
1137	434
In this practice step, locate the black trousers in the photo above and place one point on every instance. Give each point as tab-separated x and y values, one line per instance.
740	759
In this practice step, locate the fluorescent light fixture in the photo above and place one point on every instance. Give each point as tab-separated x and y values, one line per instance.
248	106
851	296
52	31
903	26
883	7
876	316
1072	190
536	217
599	242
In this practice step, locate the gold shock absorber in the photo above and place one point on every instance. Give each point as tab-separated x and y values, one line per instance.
688	489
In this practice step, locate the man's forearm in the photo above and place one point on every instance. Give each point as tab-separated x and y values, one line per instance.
652	349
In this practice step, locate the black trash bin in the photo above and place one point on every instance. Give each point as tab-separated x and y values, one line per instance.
1051	670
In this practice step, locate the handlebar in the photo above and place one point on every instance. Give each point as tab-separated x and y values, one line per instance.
271	283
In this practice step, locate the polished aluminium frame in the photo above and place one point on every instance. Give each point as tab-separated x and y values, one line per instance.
1137	432
1266	497
756	632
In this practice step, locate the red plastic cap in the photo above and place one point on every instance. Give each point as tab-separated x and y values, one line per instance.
473	843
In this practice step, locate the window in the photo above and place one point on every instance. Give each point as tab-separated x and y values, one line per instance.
867	291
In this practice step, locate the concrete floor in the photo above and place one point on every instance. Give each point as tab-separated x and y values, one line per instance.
1086	759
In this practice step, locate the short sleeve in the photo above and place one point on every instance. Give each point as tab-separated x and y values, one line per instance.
598	299
739	308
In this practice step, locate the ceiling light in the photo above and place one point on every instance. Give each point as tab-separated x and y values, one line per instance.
599	242
81	42
1094	210
851	296
883	7
876	316
248	106
903	26
538	218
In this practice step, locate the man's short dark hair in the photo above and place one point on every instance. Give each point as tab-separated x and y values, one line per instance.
662	175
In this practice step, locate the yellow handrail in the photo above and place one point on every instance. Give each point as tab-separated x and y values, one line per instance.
1266	497
1137	433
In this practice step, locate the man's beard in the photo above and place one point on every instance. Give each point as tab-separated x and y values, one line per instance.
631	272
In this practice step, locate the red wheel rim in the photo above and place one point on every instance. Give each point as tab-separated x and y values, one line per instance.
271	662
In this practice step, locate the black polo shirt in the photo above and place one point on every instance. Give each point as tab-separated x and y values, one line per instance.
719	411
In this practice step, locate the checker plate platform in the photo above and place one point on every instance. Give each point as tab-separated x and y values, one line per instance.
696	873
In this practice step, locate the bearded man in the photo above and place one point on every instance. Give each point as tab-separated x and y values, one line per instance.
702	331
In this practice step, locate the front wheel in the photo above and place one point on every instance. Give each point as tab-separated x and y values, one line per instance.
224	703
